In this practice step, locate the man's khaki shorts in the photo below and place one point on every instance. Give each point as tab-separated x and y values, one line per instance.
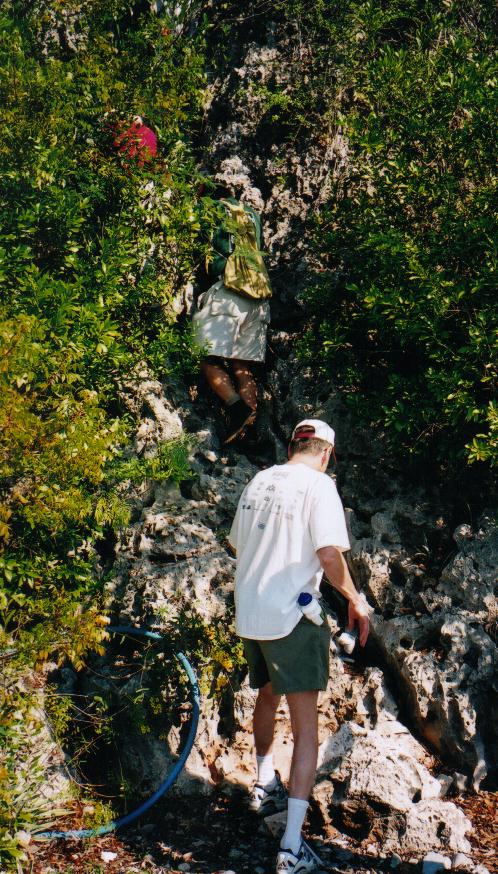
231	326
296	663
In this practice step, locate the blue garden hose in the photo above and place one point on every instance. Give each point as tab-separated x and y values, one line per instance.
170	779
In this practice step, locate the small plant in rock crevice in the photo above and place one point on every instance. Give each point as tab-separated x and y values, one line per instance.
140	691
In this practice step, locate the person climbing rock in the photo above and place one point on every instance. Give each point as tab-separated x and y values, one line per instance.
233	314
290	527
138	142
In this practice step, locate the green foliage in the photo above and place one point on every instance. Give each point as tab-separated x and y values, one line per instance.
23	745
94	247
147	692
170	462
217	652
403	305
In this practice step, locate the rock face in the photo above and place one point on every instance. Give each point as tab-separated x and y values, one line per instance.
61	30
157	419
441	653
243	146
375	781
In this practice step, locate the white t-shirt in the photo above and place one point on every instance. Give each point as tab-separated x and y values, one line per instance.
285	514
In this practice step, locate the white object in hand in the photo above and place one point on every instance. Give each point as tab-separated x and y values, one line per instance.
310	607
347	640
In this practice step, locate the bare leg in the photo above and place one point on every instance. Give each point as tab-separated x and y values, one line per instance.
218	379
304	722
264	719
247	385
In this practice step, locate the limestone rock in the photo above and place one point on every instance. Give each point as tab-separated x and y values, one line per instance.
461	862
377	779
62	30
384	764
470	578
158	421
445	694
440	824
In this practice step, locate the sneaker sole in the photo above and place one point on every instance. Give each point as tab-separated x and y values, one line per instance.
319	865
304	867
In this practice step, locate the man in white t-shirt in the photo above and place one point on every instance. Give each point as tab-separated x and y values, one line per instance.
288	529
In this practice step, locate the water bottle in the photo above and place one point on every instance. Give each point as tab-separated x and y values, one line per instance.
310	607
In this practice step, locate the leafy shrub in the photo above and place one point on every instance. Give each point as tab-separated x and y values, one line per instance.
400	302
94	248
403	302
169	462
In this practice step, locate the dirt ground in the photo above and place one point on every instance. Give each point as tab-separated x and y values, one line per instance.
482	810
214	835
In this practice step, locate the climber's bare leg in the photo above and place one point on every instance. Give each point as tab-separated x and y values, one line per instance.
218	379
246	383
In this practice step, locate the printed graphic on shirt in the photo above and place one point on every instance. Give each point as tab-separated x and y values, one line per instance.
273	498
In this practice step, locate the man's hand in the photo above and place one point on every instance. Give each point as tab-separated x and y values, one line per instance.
336	569
358	611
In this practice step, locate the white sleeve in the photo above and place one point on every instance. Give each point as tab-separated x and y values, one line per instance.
234	530
232	537
327	520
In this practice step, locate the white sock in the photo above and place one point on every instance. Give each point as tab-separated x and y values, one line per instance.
266	771
296	812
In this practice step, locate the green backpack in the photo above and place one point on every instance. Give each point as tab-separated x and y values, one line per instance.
245	270
237	256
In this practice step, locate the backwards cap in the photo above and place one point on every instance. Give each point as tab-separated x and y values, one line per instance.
309	428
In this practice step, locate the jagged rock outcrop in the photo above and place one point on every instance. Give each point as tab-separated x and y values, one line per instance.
375	780
62	29
438	647
241	145
157	419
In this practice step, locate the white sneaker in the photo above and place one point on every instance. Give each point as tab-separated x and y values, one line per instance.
292	863
265	801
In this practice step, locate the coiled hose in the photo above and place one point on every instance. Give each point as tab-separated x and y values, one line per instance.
175	771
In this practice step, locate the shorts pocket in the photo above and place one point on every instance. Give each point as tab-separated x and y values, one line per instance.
222	306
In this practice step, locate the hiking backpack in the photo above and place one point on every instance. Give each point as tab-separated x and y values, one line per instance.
244	270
